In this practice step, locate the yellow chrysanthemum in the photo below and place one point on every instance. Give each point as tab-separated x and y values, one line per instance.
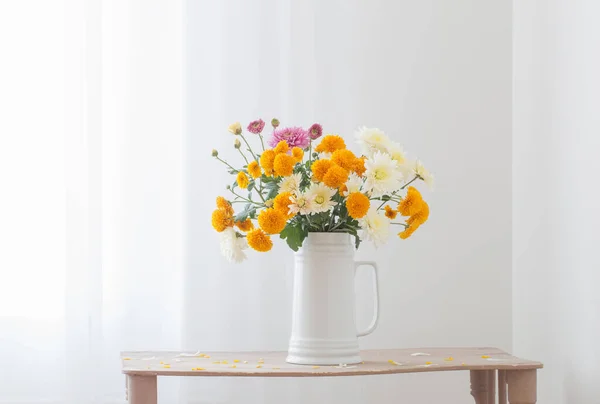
344	158
358	167
357	204
330	143
282	147
224	204
411	203
259	241
254	169
246	225
242	180
266	161
336	176
284	165
298	154
221	219
420	217
272	221
319	168
390	213
343	189
281	203
406	233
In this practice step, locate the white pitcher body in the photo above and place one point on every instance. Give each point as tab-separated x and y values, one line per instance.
323	325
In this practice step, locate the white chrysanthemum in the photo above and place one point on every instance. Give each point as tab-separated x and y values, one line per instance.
375	226
421	171
301	204
397	152
372	140
353	184
324	155
290	183
321	195
232	246
383	175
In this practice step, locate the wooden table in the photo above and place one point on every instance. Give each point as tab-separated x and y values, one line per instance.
516	378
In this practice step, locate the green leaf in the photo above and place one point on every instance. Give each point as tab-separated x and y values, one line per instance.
249	211
294	235
250	186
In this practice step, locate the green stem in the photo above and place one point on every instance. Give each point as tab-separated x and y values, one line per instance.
261	141
245	199
226	163
401	224
260	189
249	148
410	182
240	150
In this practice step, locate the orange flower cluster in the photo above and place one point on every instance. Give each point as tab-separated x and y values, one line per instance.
415	208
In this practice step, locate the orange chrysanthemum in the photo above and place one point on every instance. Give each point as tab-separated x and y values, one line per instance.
336	176
221	219
284	165
298	154
224	204
266	161
330	143
357	204
420	217
390	213
246	225
282	147
411	203
406	233
281	203
259	241
344	158
242	180
272	221
254	169
358	167
319	168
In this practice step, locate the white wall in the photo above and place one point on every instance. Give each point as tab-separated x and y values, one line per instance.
436	76
555	200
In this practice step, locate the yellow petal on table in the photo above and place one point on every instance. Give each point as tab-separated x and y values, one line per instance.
449	359
258	366
236	361
167	366
126	359
484	356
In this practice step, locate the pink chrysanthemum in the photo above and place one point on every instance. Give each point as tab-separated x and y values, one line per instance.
315	131
294	137
256	126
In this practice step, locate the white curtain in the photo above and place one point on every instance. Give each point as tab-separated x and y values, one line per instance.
92	207
149	86
556	220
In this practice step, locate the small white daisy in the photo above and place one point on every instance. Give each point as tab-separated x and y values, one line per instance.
375	226
372	140
383	175
301	204
321	196
233	245
290	183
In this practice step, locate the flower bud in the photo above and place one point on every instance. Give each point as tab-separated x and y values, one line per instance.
275	123
237	144
214	153
235	128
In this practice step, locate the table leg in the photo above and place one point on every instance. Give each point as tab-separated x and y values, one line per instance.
502	387
522	386
141	389
482	386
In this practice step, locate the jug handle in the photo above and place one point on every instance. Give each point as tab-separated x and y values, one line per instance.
375	319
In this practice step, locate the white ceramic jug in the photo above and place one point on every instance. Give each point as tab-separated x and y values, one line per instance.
323	325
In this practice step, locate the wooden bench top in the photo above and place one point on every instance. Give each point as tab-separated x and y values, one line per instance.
272	364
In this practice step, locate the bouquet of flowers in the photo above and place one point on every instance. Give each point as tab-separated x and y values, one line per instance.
306	182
